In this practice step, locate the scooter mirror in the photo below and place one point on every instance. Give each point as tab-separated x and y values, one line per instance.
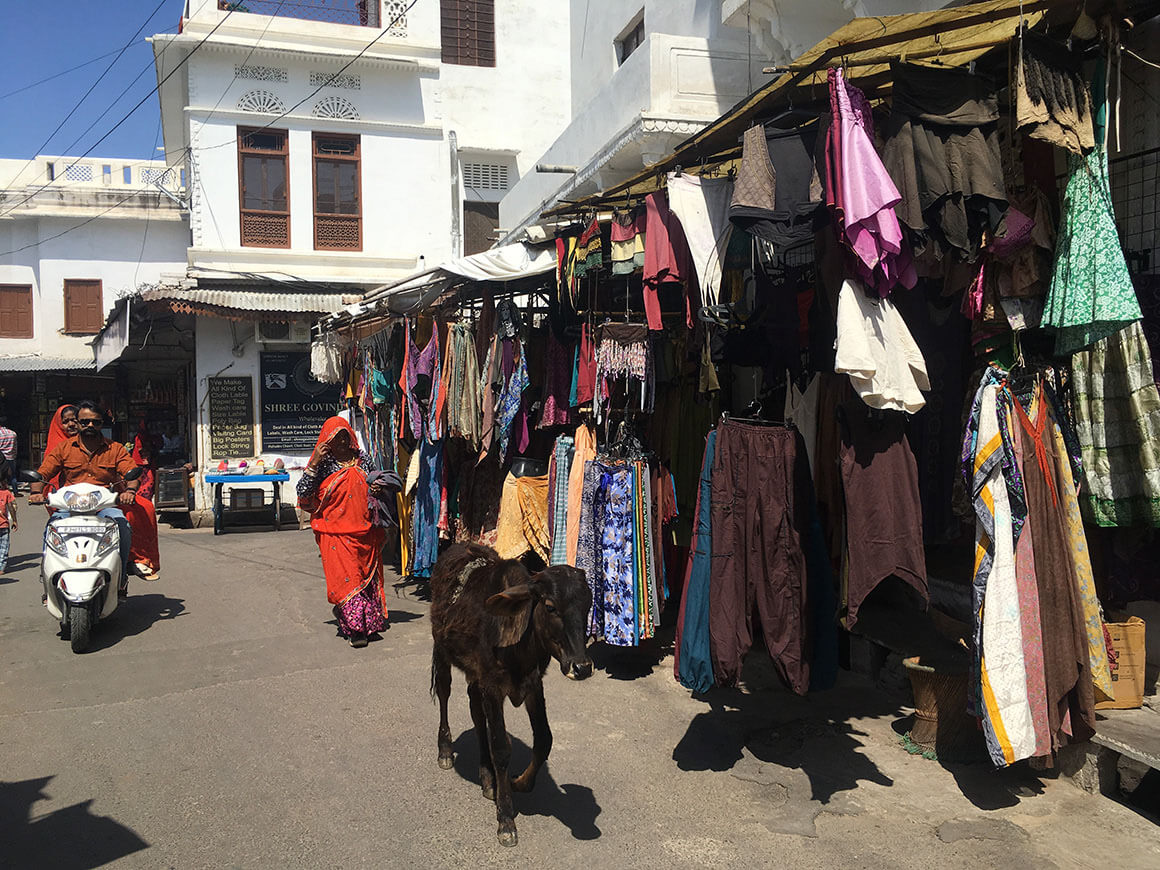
134	473
29	476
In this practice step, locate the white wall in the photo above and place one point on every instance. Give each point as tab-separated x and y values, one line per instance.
106	249
216	357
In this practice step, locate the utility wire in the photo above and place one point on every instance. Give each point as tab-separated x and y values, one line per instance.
42	81
129	114
250	54
92	87
383	32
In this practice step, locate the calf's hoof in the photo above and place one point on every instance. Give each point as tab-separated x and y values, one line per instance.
507	835
446	762
489	791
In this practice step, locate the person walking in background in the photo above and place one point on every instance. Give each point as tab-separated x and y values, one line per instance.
141	514
8	450
7	513
335	491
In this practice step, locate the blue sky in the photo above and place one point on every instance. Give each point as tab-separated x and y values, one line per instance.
41	39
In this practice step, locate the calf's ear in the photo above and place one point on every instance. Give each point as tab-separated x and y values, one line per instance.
513	609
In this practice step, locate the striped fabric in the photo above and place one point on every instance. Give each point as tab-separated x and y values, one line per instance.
562	457
1007	720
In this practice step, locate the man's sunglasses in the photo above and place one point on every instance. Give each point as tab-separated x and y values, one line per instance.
88	422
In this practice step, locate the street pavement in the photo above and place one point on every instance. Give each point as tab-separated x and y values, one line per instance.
219	722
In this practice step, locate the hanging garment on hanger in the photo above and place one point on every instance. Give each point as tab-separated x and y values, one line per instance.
667	258
942	150
861	193
692	663
761	507
1052	100
777	194
883	509
1067	657
876	350
326	355
556	408
1091	294
626	241
589	515
1008	725
589	253
421	380
702	207
801	409
427	503
559	478
1117	415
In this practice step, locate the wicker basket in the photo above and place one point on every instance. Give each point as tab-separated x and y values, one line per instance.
940	707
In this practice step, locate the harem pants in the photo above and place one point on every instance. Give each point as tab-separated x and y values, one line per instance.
761	498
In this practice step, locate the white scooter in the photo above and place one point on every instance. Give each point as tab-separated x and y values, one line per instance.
81	567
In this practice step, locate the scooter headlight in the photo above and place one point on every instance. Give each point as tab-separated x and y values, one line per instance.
81	501
54	540
109	541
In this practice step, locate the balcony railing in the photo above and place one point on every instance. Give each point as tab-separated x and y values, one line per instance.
364	13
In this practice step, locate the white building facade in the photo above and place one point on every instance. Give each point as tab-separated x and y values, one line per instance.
327	157
647	74
76	235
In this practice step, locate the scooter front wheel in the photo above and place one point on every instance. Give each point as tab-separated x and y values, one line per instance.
80	626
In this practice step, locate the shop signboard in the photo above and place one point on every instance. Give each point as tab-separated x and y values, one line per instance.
294	404
231	417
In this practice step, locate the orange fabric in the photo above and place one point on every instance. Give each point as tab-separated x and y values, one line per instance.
350	544
56	436
75	464
143	524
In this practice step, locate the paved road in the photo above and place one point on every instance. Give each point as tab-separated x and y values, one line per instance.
220	723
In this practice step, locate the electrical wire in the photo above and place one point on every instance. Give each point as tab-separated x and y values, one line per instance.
129	114
1142	60
245	61
47	79
383	32
92	87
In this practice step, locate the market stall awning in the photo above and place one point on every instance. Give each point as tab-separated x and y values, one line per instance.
247	303
37	363
865	47
504	264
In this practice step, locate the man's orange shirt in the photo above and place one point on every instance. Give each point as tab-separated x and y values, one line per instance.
75	464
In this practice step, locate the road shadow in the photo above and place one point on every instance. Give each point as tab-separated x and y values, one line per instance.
19	563
134	615
71	838
630	662
571	804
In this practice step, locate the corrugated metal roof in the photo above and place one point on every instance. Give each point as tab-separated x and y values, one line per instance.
36	363
249	300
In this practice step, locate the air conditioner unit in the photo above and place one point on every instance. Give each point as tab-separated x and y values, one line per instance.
282	332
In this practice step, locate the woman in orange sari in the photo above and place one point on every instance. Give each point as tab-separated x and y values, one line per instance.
335	491
141	515
63	426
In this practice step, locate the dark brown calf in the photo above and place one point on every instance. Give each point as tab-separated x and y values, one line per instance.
501	627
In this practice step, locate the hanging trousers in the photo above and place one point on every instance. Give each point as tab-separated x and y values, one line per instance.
761	497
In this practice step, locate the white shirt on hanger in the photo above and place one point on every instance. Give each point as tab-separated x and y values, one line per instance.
877	351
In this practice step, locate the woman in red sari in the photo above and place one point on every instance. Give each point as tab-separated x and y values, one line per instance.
63	426
141	515
335	491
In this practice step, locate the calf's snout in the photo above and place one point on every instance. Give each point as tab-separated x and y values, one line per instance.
579	671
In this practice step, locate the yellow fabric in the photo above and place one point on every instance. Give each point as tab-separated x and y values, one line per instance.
532	493
510	541
1084	582
584	449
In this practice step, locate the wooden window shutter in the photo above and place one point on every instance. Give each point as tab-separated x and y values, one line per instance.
84	311
467	30
16	311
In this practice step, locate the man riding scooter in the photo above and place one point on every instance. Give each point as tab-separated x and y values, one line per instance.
91	458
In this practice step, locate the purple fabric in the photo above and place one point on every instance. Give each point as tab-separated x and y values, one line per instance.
422	363
865	193
362	613
558	384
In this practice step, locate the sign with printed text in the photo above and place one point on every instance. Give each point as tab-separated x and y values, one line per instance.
231	418
294	404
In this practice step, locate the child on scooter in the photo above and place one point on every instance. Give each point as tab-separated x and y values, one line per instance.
7	513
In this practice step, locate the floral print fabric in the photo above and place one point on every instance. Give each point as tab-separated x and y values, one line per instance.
617	565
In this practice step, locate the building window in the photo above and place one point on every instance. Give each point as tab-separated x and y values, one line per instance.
467	30
15	311
84	309
264	189
485	176
337	193
630	40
